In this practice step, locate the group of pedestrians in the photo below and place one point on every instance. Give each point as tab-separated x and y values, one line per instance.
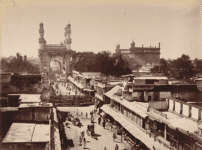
82	138
91	130
116	147
114	134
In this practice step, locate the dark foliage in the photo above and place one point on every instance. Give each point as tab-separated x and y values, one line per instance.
163	68
103	62
180	68
19	66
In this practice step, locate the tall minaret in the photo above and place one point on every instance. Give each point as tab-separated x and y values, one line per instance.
68	39
42	41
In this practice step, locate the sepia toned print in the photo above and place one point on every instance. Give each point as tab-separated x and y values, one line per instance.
101	75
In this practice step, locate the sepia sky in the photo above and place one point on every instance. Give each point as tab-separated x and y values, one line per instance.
102	25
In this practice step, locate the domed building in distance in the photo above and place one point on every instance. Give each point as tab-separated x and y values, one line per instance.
144	57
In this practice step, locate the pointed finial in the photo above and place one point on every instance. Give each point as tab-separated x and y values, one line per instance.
132	44
118	46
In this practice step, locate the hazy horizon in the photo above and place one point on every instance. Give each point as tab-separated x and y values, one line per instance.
100	27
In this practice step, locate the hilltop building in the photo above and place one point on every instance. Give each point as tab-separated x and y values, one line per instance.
140	56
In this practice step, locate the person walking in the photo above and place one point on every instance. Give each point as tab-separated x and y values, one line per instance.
121	136
80	140
99	121
93	130
104	124
116	147
83	134
114	136
88	128
86	115
84	143
111	126
77	112
92	119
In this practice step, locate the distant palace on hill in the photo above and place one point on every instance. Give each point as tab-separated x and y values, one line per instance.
142	56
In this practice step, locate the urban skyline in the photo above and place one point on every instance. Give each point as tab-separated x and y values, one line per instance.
101	26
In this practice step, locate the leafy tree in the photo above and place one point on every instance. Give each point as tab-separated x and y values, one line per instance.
4	64
121	66
155	69
85	62
17	65
163	68
182	68
103	62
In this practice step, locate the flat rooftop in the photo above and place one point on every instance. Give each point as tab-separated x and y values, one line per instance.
30	98
27	132
26	105
151	78
176	121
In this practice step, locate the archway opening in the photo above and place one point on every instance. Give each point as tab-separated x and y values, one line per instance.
55	70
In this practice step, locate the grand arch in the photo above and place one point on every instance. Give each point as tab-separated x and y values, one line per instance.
61	53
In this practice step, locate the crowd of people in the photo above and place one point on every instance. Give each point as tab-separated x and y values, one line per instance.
90	131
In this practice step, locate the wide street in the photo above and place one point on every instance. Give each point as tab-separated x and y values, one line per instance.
63	90
104	136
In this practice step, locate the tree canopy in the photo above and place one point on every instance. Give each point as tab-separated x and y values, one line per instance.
163	68
103	62
180	68
17	65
